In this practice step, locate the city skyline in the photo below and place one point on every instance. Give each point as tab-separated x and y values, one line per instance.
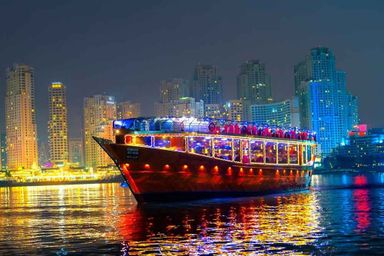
275	39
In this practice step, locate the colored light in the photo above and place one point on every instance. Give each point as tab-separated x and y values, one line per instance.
166	167
250	170
229	171
201	168
215	170
185	167
147	166
260	171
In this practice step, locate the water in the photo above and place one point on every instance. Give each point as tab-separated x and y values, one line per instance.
341	214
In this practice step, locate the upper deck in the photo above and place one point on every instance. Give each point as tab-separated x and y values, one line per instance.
210	126
244	143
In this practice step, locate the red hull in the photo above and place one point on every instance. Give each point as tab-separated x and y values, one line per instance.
163	175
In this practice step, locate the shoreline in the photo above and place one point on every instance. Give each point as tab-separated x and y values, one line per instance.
12	183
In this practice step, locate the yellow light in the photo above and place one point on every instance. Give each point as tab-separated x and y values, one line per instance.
56	85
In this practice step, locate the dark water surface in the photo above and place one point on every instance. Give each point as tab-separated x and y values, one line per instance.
341	214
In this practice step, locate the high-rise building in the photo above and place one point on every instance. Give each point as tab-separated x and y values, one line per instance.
175	102
128	109
76	151
20	118
254	83
207	85
325	104
174	89
284	113
3	151
44	154
235	110
183	107
99	112
57	124
217	111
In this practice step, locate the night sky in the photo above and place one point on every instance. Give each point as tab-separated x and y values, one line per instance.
124	48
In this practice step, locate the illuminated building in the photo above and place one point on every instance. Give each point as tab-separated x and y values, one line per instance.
215	111
128	109
3	151
76	151
254	83
43	154
20	118
99	112
363	149
284	113
325	104
185	106
175	100
57	124
207	85
235	110
173	89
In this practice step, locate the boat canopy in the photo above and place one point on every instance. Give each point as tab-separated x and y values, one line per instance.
209	125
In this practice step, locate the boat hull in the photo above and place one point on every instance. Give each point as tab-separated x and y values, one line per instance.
164	175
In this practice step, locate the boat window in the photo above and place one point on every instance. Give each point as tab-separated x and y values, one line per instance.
257	151
128	139
200	145
236	150
270	152
293	154
283	153
222	148
162	142
245	150
176	143
142	140
309	153
304	153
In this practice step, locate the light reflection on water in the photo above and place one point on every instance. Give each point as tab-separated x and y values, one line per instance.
104	219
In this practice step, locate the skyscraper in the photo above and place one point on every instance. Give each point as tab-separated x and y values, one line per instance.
207	85
20	118
3	151
128	109
173	89
235	110
325	103
99	112
253	86
175	100
76	151
57	124
183	107
284	113
254	83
